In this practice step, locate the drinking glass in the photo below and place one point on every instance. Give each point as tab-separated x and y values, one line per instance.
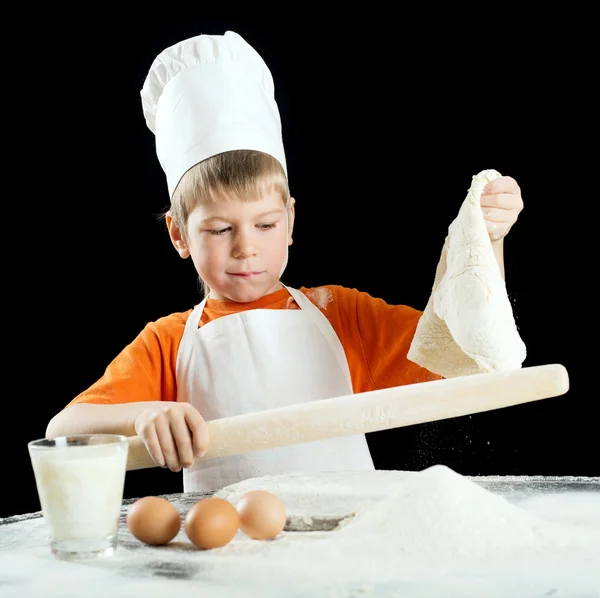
80	481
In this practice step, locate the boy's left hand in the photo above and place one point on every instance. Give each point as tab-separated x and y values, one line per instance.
501	204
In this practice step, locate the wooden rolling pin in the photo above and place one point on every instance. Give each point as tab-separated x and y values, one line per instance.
372	411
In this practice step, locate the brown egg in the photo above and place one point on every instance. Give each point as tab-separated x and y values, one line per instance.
211	523
153	520
262	514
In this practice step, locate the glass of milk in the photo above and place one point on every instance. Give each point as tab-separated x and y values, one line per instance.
80	481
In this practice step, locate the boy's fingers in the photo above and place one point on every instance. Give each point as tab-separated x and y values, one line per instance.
153	445
199	431
498	214
183	441
167	444
502	201
503	184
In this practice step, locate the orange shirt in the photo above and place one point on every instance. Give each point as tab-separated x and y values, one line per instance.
375	335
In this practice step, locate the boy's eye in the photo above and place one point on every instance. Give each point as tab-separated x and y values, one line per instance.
222	231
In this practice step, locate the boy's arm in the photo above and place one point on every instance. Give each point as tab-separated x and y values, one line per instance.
90	418
174	433
142	376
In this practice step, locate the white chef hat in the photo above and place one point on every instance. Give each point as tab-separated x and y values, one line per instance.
206	95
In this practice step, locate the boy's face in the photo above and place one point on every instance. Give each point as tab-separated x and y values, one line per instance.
239	248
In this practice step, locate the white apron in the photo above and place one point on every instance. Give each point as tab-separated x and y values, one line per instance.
262	359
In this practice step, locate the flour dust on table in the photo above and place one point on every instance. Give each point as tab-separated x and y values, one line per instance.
412	534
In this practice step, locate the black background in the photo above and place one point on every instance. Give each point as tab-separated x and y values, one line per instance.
386	117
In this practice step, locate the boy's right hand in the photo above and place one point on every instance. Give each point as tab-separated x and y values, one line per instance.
174	434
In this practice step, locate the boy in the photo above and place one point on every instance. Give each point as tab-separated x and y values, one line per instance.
252	343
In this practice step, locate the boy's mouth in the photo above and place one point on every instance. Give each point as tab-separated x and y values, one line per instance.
244	274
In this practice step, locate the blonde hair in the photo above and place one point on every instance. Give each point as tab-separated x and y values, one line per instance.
246	174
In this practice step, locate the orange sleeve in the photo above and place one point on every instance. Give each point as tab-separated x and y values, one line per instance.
145	369
376	337
386	332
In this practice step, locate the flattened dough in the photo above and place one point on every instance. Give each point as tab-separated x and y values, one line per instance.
468	325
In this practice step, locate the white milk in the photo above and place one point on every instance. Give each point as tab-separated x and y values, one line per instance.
80	490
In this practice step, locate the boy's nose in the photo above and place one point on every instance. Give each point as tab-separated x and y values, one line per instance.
244	246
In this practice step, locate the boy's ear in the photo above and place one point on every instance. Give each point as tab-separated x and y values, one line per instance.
176	237
291	216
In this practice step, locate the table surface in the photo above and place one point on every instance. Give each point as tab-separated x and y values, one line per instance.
179	569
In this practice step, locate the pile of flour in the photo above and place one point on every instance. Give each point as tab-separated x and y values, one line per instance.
440	515
436	533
